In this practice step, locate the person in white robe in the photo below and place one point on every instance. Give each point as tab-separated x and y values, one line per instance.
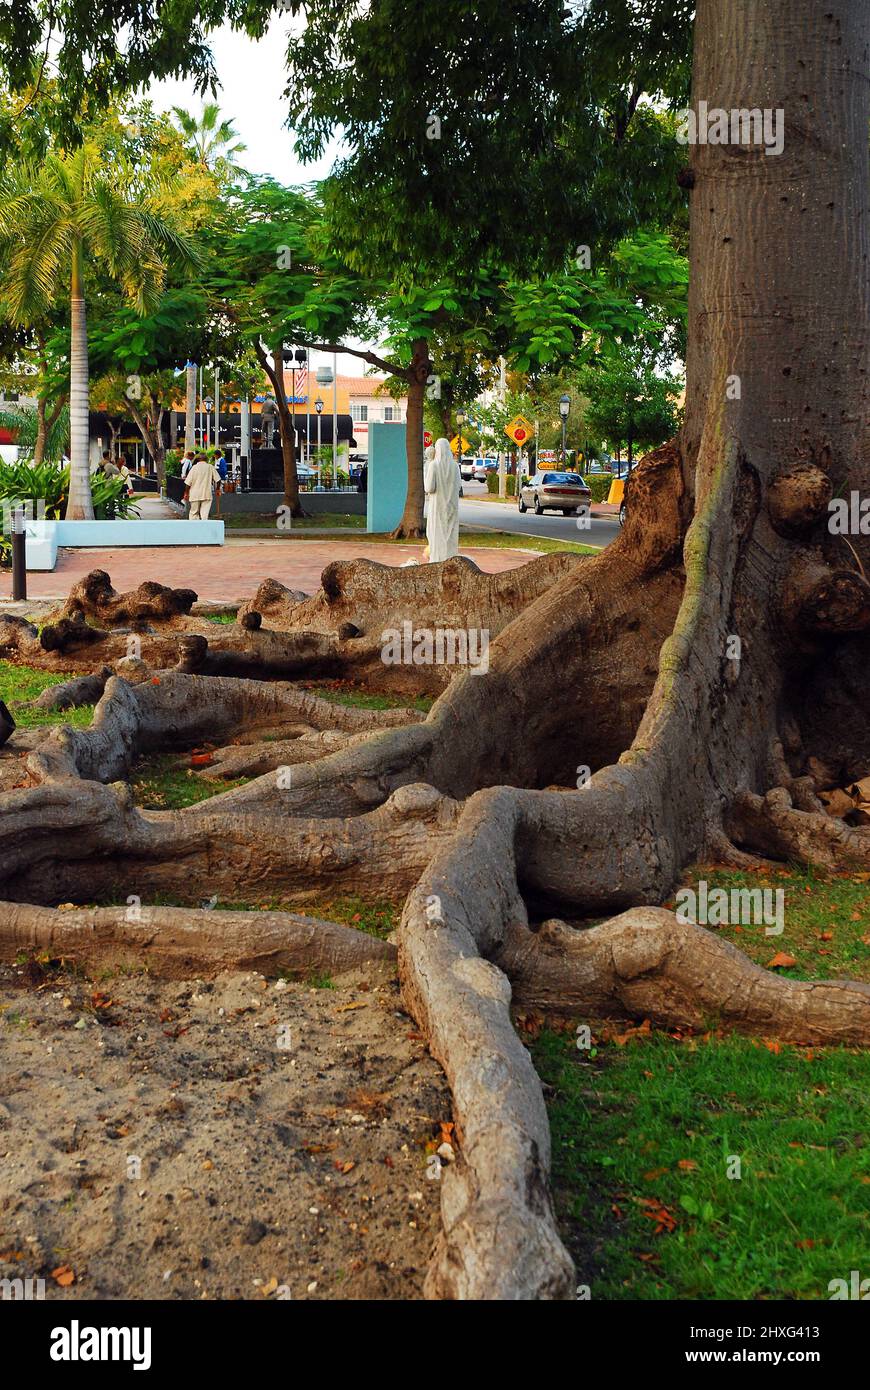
441	481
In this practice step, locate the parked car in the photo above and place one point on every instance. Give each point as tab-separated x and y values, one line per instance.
554	492
483	466
466	468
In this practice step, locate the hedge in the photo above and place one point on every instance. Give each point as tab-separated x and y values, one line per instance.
598	483
492	484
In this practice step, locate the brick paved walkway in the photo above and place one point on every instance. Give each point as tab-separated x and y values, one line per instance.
233	570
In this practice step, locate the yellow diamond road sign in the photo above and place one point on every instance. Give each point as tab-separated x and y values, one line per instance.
519	430
455	443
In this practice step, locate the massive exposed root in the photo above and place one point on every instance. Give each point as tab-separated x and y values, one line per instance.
70	840
94	599
522	789
177	943
645	963
281	634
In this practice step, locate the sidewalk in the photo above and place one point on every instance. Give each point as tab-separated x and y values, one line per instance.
233	571
151	508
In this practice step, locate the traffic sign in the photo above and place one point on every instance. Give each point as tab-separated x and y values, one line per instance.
456	443
519	430
427	438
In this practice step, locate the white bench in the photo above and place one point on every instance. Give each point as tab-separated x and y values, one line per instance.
43	538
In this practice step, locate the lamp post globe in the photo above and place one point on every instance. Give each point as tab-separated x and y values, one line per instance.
564	411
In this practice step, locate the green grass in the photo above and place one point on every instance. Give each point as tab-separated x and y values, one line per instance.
378	918
219	617
649	1129
507	540
341	694
19	684
644	1126
269	521
826	920
469	539
166	782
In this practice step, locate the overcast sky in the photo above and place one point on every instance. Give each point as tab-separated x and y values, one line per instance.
252	80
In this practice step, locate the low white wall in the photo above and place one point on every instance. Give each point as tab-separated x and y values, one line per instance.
43	539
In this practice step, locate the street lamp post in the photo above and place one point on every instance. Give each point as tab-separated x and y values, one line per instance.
318	406
460	421
564	410
325	376
208	403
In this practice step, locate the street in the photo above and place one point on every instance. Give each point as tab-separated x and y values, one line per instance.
476	510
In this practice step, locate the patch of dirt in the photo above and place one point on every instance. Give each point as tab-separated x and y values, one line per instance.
238	1138
13	757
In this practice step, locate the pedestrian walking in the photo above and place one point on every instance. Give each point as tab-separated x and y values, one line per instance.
201	480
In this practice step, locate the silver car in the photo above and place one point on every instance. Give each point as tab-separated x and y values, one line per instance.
554	492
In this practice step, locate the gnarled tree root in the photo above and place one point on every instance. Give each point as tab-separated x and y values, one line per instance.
93	598
73	840
499	1238
177	709
175	943
646	963
773	826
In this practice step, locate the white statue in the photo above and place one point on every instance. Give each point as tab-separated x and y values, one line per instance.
441	481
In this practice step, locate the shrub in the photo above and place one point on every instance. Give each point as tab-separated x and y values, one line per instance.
492	484
22	482
599	484
173	463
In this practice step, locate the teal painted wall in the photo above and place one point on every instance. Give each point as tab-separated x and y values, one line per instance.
388	476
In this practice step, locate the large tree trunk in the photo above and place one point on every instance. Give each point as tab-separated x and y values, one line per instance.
79	505
152	438
412	523
275	372
777	387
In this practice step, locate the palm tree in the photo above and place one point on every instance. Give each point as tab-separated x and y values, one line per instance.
55	219
212	140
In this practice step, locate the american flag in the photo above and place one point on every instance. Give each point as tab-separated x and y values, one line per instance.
300	395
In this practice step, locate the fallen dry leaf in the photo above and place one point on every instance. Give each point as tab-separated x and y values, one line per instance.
782	960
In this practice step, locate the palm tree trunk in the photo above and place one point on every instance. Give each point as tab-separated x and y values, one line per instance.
190	408
79	505
41	428
41	432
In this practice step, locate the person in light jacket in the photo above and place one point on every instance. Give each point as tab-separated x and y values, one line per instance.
200	484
